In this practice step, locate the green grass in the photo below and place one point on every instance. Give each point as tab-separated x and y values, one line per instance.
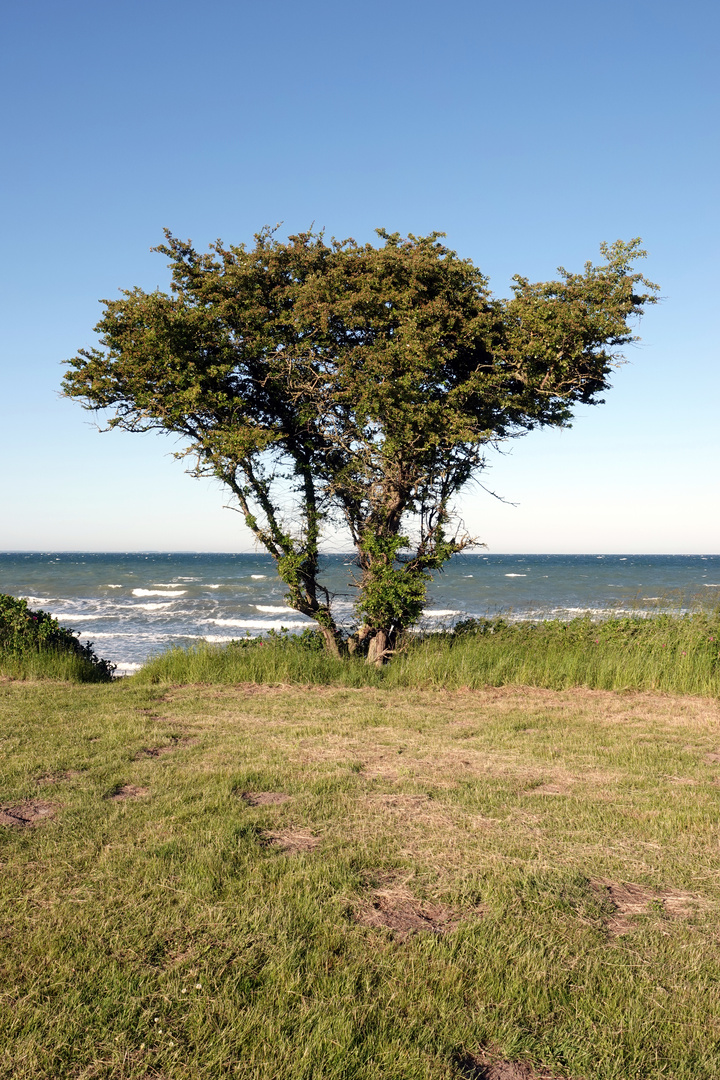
164	936
44	663
676	654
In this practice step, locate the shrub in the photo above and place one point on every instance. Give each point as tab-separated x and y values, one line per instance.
26	635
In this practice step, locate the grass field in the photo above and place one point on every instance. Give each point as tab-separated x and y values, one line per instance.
375	882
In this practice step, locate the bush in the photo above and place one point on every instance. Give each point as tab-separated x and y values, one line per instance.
29	638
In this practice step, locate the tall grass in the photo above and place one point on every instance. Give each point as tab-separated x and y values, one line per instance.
675	654
279	661
50	664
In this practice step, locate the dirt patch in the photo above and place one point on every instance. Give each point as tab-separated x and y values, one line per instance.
127	791
473	1067
629	901
713	757
264	798
291	841
69	774
26	814
399	911
161	751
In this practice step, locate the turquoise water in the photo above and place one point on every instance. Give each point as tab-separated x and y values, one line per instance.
132	605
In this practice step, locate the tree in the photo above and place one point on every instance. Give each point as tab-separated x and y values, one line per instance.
337	381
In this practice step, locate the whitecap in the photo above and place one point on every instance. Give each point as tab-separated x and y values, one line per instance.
149	607
440	613
113	586
711	585
213	586
258	577
272	610
158	592
166	585
259	624
516	575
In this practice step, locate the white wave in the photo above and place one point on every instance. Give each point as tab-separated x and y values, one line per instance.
468	575
272	610
188	578
624	558
651	597
711	585
259	624
213	586
258	577
440	613
136	634
158	592
148	607
89	618
516	575
216	638
113	586
166	584
44	600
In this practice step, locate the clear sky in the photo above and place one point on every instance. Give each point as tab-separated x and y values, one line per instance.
528	132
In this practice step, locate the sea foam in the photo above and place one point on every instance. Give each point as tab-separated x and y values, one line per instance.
158	592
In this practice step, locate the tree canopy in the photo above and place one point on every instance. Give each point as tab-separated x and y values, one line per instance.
328	382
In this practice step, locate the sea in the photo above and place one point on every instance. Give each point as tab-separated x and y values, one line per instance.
134	605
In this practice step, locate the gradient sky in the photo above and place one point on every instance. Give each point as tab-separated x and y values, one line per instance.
528	132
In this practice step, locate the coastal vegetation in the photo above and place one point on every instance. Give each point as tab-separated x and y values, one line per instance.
374	883
33	645
669	653
341	386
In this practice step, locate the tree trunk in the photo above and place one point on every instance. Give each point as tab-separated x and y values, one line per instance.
331	642
378	645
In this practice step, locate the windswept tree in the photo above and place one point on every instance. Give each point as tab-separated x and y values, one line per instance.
327	382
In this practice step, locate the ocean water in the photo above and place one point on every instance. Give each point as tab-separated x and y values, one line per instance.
133	605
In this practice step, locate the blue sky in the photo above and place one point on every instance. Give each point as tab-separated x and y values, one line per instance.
528	132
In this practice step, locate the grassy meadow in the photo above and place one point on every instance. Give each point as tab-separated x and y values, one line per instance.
383	880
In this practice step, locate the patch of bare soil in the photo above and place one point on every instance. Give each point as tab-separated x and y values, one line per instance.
713	757
69	774
478	1067
399	911
264	798
291	841
127	791
161	751
629	901
26	814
